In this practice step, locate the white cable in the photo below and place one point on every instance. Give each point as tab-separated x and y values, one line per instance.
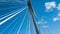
3	2
16	23
29	27
12	16
7	16
9	25
21	24
9	8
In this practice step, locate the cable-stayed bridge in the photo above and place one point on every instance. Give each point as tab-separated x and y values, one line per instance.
29	17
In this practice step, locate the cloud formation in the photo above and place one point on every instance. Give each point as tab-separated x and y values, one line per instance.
50	5
44	26
58	7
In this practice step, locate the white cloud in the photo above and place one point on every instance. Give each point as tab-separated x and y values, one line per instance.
39	22
59	14
56	19
45	22
44	26
58	7
50	5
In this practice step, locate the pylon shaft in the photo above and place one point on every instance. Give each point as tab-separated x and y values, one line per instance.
32	15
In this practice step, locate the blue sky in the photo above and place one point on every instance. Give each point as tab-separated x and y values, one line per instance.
22	23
